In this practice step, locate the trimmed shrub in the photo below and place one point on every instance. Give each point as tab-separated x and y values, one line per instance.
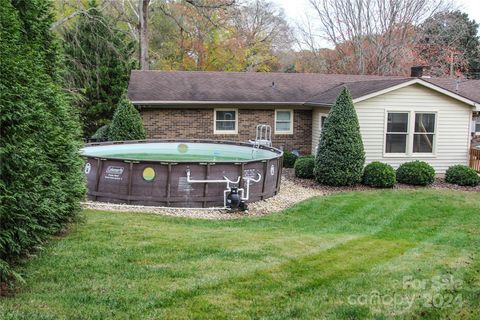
41	178
379	175
416	173
304	167
126	123
462	175
340	155
102	133
289	159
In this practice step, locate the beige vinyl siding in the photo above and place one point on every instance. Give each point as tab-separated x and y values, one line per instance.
316	125
453	121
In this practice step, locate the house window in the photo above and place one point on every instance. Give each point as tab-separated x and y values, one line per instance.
226	121
477	126
397	132
424	135
322	121
283	121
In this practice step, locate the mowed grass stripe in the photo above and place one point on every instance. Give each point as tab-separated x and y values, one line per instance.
302	263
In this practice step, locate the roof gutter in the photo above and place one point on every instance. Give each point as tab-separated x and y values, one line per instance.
318	104
184	102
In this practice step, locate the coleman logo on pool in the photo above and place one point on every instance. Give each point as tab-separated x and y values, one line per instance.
114	173
88	168
250	173
272	170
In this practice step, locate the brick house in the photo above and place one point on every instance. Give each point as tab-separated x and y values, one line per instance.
401	118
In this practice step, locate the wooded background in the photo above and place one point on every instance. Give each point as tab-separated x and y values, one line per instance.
104	39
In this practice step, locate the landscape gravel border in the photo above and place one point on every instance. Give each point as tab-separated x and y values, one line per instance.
293	190
290	194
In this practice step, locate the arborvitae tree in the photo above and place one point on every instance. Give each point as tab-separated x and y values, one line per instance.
98	63
126	123
41	178
340	156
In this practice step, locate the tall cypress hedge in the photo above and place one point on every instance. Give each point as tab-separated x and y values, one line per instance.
340	156
41	181
126	123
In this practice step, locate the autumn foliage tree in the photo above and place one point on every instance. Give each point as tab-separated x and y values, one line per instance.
369	37
450	44
218	36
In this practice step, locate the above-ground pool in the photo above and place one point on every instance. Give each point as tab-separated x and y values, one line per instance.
183	173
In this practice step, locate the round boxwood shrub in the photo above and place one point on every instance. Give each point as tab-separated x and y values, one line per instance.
289	159
416	173
304	167
379	175
462	175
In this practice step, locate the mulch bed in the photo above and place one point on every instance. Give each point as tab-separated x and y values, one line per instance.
439	183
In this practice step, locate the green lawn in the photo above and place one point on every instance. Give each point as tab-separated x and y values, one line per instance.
381	255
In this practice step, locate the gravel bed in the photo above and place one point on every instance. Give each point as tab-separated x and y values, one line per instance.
290	194
292	191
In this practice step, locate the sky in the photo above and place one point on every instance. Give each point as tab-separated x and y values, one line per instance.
295	9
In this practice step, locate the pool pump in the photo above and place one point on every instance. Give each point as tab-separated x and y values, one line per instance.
234	201
233	197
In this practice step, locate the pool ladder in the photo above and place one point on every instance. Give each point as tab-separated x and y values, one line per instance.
263	136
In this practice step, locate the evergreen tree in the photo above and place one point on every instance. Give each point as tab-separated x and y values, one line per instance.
340	156
126	123
41	181
98	64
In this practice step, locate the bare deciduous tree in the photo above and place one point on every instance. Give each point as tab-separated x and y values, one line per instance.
259	23
371	36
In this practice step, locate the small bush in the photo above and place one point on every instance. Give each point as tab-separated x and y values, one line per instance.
102	133
379	175
126	123
462	175
304	167
289	159
416	173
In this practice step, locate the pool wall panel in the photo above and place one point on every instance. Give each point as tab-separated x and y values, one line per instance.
126	181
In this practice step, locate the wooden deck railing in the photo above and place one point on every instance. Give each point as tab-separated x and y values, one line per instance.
475	159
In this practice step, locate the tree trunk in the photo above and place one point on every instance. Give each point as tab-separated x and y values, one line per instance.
143	33
452	57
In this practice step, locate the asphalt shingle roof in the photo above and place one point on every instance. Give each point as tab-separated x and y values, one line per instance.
357	89
147	87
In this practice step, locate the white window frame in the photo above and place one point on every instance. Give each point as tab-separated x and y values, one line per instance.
434	146
385	132
215	131
410	135
291	121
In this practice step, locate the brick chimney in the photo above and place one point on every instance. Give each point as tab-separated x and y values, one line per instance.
420	72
